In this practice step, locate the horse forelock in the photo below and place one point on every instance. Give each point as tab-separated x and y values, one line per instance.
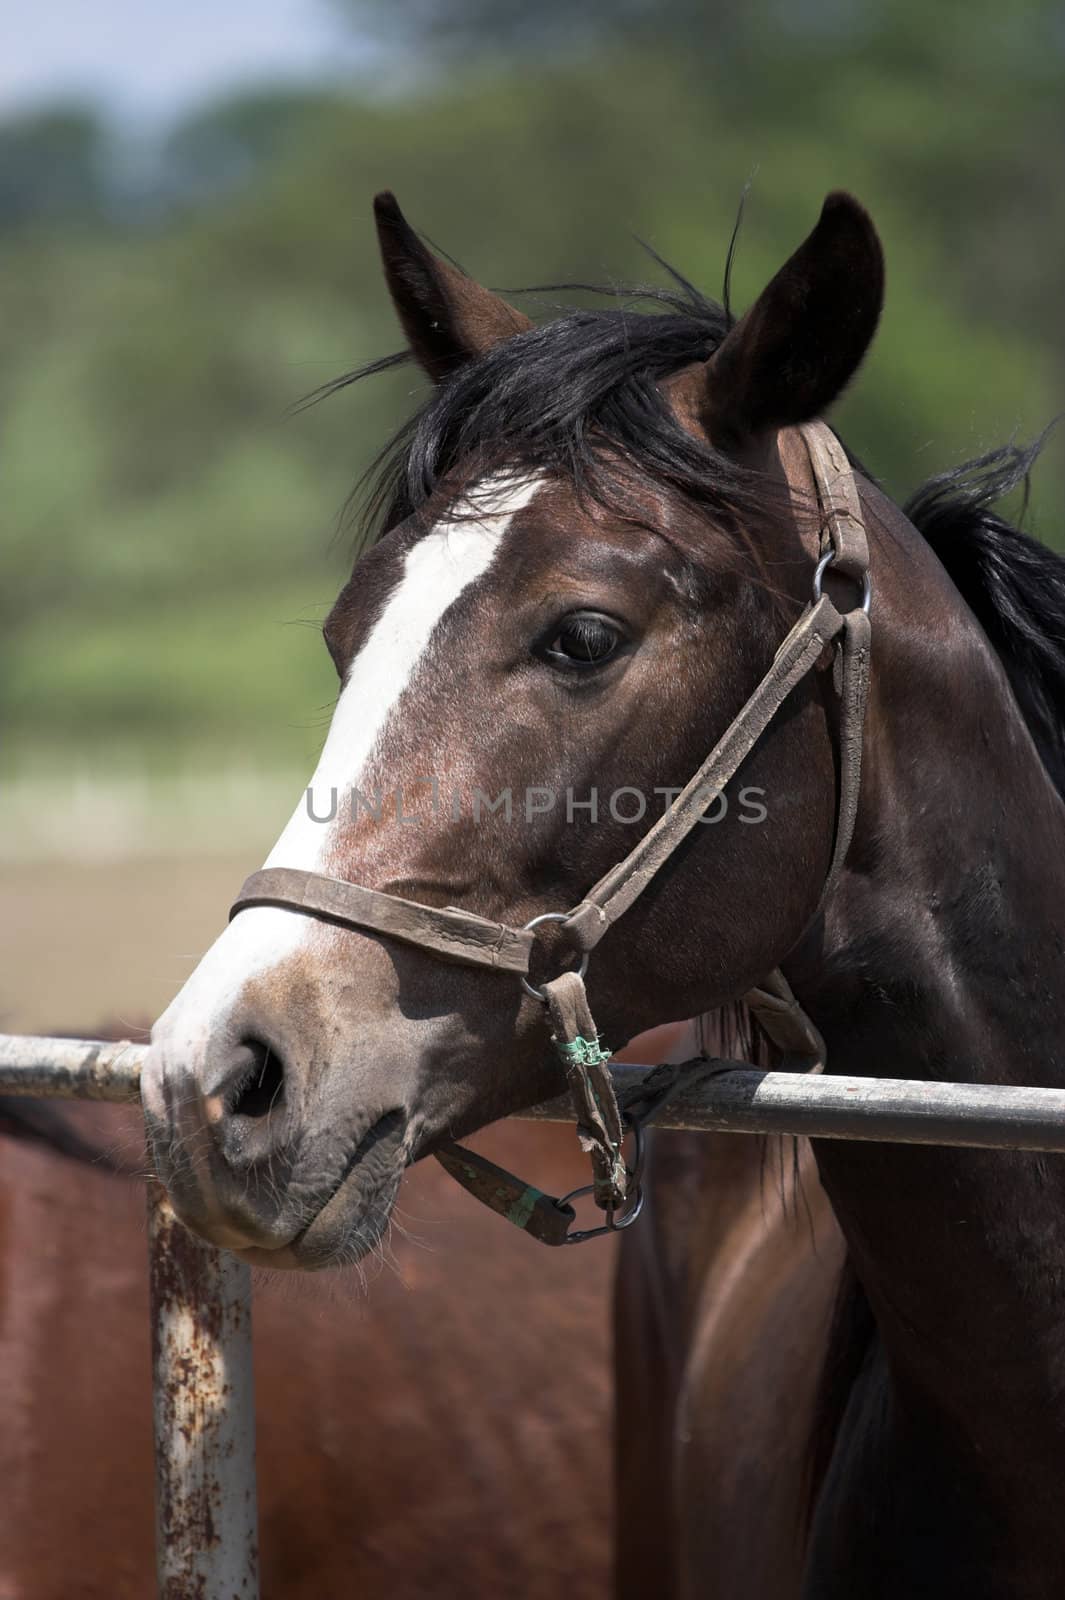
571	398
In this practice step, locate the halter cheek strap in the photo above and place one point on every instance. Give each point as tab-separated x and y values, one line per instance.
453	934
805	645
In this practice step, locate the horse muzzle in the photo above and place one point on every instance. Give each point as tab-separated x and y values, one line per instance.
249	1170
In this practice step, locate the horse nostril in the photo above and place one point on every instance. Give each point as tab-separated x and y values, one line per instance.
260	1088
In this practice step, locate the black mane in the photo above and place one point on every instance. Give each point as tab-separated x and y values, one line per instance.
1013	584
569	396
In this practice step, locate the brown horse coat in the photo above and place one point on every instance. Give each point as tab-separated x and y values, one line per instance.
445	1434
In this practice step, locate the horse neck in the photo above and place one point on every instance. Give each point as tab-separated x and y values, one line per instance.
942	956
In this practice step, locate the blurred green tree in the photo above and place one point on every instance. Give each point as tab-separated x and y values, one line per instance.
53	168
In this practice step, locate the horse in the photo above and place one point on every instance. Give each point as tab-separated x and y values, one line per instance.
707	1423
594	537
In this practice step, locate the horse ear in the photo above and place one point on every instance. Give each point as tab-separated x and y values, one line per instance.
804	338
446	316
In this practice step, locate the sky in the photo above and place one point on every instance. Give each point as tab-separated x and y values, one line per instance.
153	59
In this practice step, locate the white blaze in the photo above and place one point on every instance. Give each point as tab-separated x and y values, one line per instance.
436	572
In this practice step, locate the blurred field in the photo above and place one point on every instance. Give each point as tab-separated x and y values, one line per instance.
88	943
111	887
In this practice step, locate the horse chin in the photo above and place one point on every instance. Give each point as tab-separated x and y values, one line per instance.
353	1217
346	1229
326	1220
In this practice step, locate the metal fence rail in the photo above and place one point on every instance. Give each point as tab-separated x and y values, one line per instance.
204	1407
896	1110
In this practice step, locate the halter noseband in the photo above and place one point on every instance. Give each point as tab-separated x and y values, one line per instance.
453	934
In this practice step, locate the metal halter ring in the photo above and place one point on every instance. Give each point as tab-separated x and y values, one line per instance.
823	566
616	1221
549	916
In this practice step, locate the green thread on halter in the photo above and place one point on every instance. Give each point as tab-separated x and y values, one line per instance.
581	1052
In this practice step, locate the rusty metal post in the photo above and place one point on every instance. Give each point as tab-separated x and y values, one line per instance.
206	1524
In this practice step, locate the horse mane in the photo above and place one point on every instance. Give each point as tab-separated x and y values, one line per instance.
572	397
1013	584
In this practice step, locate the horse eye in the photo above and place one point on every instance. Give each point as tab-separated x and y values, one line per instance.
584	639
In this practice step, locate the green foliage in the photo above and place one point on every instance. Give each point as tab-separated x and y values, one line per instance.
52	167
166	512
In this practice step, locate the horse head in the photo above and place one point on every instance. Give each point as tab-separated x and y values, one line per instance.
598	532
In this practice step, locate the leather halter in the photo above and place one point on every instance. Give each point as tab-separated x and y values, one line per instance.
454	934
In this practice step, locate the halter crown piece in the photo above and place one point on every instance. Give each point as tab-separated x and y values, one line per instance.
457	935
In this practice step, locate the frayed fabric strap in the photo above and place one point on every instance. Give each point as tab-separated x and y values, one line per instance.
587	1067
586	1063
